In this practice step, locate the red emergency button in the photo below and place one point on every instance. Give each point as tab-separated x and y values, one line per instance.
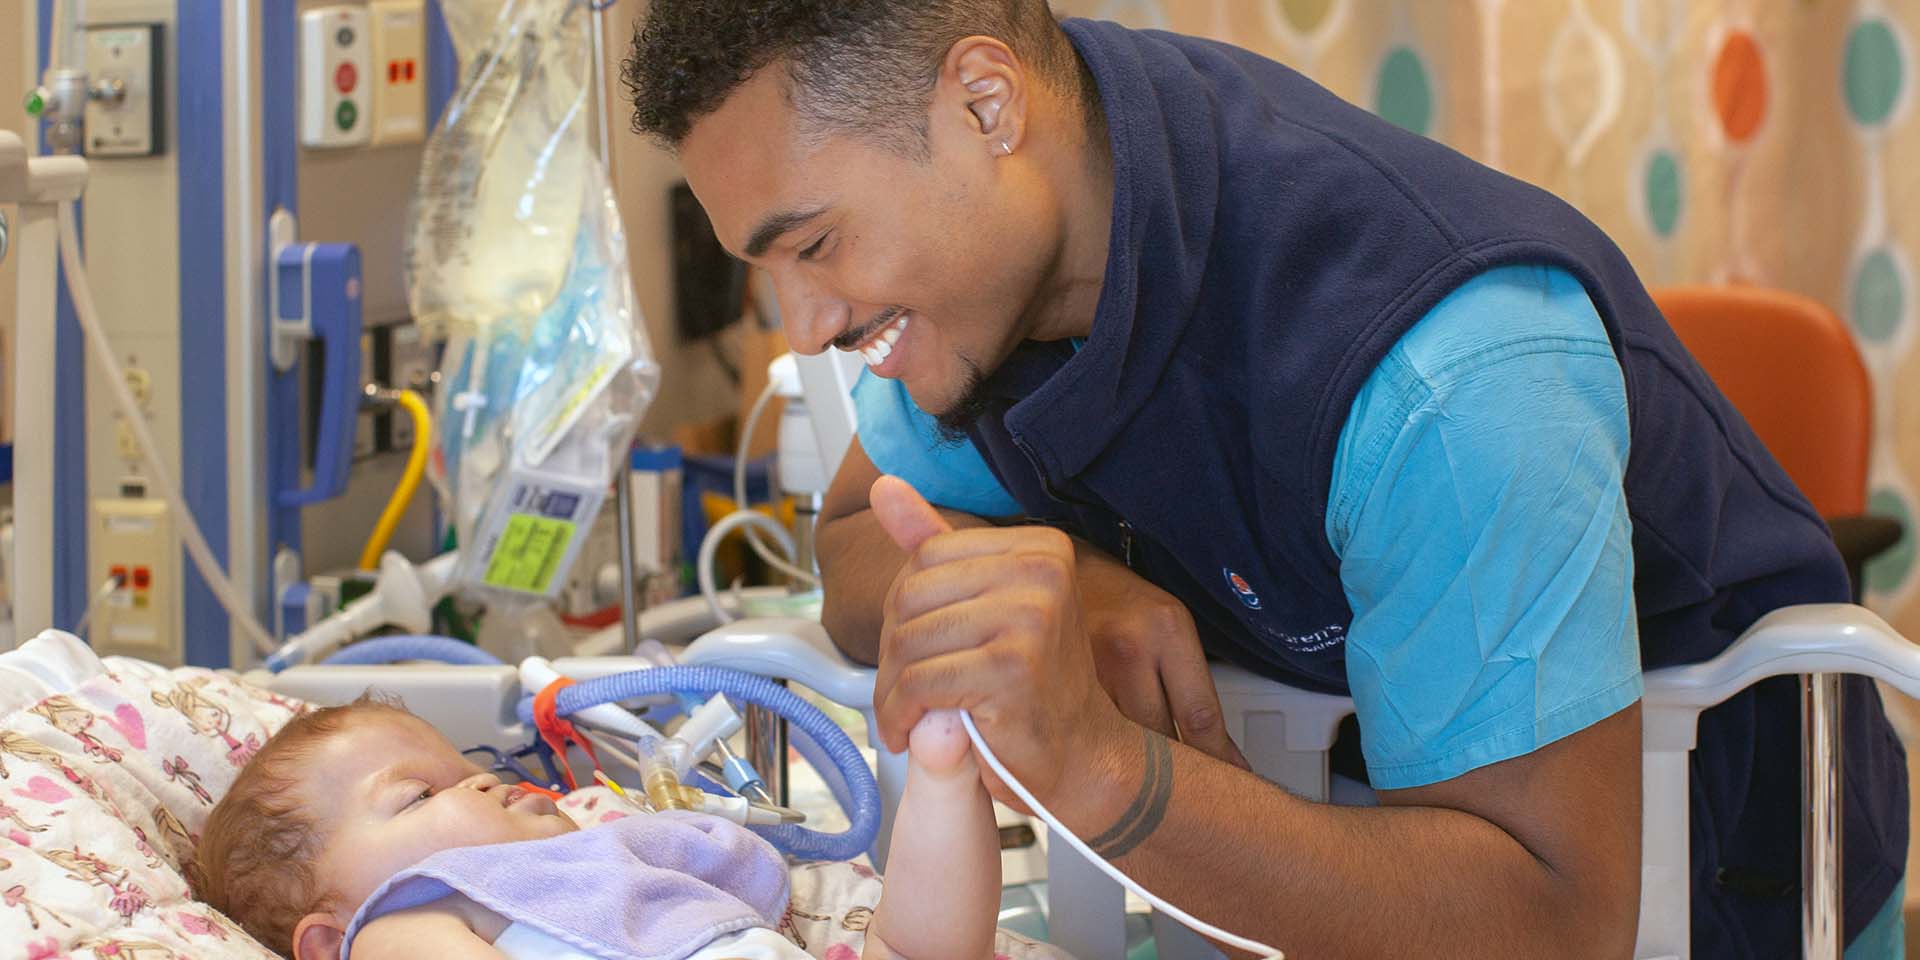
142	578
346	77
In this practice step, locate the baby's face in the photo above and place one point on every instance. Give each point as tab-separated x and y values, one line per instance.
389	791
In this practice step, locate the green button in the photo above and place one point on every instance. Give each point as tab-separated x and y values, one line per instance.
346	114
36	104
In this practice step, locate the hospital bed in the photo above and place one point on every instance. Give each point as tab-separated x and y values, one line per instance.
109	766
84	711
1286	735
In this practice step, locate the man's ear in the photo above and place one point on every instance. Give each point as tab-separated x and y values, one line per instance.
993	84
318	936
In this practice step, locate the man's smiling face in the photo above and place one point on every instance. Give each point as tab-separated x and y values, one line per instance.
925	265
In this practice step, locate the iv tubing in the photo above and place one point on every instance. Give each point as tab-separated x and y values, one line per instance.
1056	829
710	545
747	429
409	480
61	30
160	479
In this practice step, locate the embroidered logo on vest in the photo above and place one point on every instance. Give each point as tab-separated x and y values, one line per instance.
1326	637
1240	589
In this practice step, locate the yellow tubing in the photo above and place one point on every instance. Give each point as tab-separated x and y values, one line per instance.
409	481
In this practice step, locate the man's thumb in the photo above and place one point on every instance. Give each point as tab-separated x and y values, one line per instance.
906	516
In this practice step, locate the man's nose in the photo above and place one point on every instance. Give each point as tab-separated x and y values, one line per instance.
810	315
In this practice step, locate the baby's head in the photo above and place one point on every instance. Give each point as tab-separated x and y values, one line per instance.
337	802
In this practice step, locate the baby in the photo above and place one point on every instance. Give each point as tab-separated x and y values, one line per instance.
347	804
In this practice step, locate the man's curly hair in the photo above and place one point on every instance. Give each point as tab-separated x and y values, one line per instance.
866	66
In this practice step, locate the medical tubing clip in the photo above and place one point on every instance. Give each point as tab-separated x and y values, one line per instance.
558	732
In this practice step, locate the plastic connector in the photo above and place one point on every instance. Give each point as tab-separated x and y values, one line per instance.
710	723
743	779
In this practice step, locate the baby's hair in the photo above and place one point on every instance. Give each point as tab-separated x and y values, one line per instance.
255	858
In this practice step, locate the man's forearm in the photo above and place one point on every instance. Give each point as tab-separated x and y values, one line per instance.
858	562
1320	881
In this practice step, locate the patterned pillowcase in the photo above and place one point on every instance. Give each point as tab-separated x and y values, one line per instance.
103	789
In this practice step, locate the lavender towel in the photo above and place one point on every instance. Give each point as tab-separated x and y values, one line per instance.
646	887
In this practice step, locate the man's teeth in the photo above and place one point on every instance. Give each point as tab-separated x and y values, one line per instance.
880	348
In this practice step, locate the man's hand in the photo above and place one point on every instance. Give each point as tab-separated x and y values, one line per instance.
988	620
1149	657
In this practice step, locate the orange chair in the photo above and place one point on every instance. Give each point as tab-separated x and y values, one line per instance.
1789	365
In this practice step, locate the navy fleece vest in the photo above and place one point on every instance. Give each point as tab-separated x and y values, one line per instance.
1270	244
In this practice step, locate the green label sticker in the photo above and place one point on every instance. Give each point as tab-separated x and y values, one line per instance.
528	552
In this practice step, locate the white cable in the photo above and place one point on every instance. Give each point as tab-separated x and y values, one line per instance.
61	33
159	479
1058	830
107	588
747	427
710	546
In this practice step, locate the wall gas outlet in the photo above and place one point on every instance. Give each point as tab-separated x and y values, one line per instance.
334	105
123	118
399	81
134	544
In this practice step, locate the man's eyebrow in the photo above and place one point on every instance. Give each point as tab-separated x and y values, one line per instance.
774	226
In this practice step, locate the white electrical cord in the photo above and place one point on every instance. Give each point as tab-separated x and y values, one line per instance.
159	479
1057	830
61	31
107	588
710	547
747	428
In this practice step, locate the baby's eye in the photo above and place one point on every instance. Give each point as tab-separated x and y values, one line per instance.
422	797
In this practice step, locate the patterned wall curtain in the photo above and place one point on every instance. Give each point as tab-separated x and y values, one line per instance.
1763	141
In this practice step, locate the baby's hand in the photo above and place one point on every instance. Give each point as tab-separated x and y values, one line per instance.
939	744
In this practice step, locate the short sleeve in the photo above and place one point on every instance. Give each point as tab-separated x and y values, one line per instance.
902	440
1480	518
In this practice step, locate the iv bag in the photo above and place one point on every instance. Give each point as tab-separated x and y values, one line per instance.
538	422
516	257
468	23
497	206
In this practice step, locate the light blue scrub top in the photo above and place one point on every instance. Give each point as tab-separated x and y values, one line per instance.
1478	513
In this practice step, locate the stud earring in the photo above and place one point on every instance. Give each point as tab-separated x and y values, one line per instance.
1006	149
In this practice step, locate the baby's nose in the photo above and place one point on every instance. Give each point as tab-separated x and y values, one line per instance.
481	781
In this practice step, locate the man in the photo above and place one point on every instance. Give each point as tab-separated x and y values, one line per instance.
1229	365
